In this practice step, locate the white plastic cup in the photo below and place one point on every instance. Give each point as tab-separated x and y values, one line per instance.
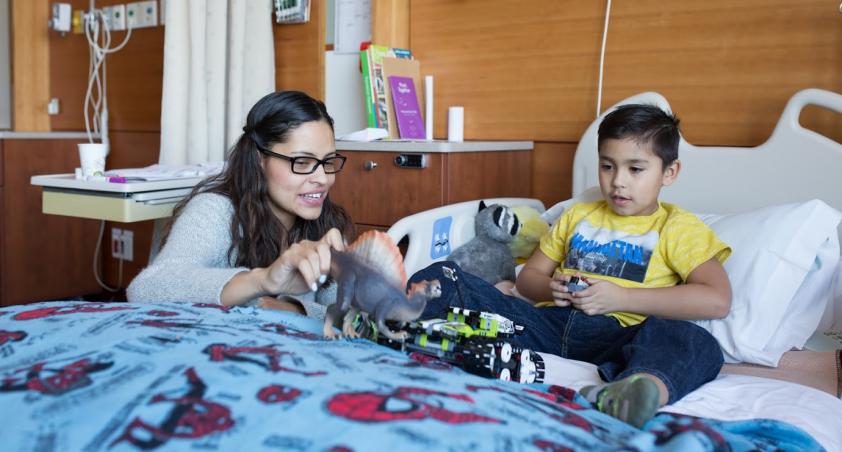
92	158
456	124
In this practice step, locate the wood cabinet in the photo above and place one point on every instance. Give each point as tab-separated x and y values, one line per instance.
377	191
42	257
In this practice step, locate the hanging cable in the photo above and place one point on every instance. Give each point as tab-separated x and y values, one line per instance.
95	107
602	59
96	264
98	36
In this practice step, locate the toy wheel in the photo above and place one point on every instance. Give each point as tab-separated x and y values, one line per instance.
525	357
505	375
505	352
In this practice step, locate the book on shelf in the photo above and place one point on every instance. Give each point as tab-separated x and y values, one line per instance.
368	88
374	83
407	112
402	68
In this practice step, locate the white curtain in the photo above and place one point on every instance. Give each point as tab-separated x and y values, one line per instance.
219	59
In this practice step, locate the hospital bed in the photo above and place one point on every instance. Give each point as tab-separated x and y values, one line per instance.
118	376
778	206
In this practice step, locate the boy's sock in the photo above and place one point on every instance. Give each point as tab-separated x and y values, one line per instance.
633	399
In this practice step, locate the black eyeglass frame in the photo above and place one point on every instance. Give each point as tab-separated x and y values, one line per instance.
319	162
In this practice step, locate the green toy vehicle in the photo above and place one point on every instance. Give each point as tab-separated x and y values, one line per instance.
472	340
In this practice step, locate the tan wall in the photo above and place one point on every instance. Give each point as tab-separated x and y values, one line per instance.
529	69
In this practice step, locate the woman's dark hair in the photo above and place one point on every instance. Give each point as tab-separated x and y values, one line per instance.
646	125
257	236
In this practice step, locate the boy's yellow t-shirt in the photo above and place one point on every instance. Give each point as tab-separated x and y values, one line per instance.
658	250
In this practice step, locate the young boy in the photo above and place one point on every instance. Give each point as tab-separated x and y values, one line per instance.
650	266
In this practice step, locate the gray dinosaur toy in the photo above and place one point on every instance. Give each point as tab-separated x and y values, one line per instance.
487	255
370	279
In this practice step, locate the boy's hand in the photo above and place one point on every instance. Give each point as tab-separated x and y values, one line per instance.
558	286
601	297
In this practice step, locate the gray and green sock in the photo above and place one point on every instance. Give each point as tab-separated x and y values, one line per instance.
633	399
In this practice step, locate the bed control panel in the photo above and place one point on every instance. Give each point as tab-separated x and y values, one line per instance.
411	160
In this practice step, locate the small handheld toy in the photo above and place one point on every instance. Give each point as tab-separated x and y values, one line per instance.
576	284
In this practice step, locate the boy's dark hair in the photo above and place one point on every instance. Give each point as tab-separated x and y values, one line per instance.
645	124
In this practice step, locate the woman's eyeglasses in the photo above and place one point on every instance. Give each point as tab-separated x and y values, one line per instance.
308	165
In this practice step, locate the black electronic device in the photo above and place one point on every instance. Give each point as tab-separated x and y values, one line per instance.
411	160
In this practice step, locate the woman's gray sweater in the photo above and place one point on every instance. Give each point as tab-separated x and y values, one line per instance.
193	265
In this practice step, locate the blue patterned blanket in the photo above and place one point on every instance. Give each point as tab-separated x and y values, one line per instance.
113	376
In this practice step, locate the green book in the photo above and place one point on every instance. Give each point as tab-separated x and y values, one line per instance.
368	88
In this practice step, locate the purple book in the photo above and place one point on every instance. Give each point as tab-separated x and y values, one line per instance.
407	111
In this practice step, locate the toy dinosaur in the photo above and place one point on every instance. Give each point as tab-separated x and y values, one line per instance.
371	278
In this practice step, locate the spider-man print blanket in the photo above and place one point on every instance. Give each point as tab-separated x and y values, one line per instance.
115	376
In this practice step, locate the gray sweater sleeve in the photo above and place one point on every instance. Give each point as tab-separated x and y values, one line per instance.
193	265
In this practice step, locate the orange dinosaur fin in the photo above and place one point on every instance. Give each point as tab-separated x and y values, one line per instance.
377	250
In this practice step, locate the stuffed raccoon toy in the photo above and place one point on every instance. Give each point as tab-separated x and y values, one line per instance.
487	255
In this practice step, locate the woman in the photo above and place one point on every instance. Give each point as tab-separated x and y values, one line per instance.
263	227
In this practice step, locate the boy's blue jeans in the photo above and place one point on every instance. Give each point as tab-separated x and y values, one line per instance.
681	354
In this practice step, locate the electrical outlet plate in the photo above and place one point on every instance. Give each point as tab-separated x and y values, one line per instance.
117	17
142	14
128	245
116	243
122	244
54	107
106	17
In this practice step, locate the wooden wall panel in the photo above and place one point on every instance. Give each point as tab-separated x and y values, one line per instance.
552	171
300	53
529	69
390	23
475	175
45	257
30	60
135	78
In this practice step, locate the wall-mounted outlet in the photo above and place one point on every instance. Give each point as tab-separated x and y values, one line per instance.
128	245
122	244
61	17
115	17
54	107
142	14
116	243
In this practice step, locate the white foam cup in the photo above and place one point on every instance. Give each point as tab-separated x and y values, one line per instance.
92	158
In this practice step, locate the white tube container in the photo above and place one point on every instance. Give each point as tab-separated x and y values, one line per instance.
456	124
428	110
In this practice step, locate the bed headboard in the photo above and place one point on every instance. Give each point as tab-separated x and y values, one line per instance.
794	164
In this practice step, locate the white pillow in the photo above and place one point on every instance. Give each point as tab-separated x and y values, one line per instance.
832	319
774	249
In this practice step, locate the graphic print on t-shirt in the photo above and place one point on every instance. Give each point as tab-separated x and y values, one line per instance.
611	253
